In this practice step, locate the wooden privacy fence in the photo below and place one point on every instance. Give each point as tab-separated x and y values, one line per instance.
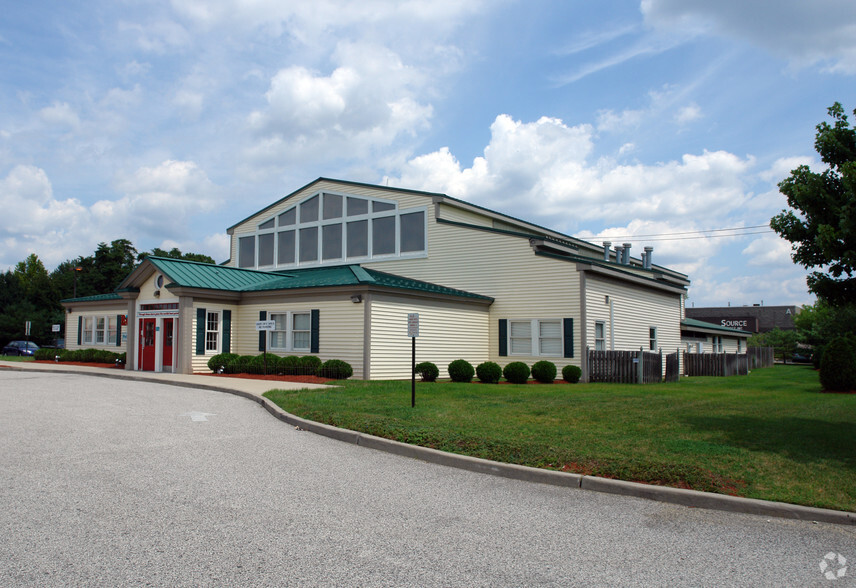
760	357
623	367
716	364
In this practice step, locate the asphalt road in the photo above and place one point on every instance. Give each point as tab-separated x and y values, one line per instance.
113	483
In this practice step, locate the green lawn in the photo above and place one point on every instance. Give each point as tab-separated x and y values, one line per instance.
770	435
16	358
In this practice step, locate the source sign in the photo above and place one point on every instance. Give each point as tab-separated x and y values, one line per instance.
265	325
413	324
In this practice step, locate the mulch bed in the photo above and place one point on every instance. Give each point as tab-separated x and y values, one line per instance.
300	379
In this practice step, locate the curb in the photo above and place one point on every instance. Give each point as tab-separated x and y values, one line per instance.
689	498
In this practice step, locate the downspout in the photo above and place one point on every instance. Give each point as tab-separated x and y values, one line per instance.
367	335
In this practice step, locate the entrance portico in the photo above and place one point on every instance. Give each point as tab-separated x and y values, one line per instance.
157	324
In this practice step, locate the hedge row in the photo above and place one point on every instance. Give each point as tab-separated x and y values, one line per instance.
292	365
81	355
490	372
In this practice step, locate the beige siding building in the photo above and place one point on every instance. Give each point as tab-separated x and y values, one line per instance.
338	267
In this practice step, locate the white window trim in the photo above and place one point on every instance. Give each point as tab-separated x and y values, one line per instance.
219	331
343	221
289	331
535	338
94	330
603	331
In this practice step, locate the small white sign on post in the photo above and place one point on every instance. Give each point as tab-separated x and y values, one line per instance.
27	326
55	328
265	325
413	324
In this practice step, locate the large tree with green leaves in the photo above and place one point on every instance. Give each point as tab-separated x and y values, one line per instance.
821	224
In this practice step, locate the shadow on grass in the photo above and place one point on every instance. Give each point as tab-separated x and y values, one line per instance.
799	439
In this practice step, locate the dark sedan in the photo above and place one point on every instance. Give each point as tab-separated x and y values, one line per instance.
20	348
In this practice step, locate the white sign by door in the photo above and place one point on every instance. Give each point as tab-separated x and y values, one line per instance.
265	325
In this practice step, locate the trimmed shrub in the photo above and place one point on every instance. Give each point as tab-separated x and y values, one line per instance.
258	363
461	370
516	372
488	372
571	373
544	371
104	356
48	354
427	371
310	364
838	366
220	360
817	356
289	365
336	369
240	365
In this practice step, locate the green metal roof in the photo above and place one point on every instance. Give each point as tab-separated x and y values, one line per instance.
694	323
95	298
194	274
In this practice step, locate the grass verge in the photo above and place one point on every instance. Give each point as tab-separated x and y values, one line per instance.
770	435
16	358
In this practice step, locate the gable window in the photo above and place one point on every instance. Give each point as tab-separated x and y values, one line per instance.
600	336
247	251
652	338
212	331
330	228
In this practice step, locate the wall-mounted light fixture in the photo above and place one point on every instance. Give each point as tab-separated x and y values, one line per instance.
356	298
157	293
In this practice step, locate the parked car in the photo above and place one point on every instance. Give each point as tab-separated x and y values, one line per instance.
20	348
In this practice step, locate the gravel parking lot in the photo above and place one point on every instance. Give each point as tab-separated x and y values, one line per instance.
110	482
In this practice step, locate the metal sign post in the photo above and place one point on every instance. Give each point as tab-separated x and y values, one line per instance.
265	326
413	332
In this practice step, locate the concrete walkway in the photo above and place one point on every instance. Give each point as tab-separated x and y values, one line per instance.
253	390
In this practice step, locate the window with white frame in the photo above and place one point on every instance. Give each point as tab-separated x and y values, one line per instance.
301	325
652	338
99	330
550	337
535	337
740	346
88	329
717	344
291	331
600	336
329	228
212	331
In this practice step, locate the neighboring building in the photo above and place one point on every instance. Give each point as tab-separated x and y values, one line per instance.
339	266
755	319
704	337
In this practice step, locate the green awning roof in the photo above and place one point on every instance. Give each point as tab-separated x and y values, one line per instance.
95	298
193	274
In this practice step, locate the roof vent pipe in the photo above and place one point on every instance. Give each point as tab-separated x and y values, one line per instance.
626	257
606	246
648	252
619	253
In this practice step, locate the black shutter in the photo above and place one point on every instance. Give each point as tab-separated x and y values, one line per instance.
80	330
227	332
118	330
201	317
503	337
262	334
313	331
569	336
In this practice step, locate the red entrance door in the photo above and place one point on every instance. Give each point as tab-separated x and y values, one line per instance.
167	344
147	344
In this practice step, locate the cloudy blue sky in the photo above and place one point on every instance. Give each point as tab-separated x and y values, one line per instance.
164	122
